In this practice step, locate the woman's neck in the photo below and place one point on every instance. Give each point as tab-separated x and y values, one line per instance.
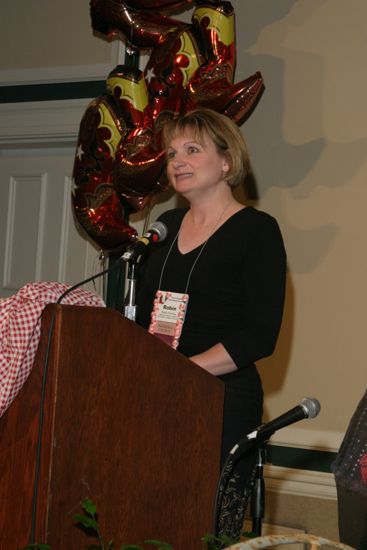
201	221
205	213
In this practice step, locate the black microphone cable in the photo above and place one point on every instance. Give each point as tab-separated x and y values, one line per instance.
43	396
160	229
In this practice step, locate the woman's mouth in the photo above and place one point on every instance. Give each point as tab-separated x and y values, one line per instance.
183	176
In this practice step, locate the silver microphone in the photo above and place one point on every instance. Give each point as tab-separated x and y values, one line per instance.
157	232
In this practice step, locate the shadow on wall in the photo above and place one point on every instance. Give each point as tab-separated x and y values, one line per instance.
289	143
258	15
277	162
309	164
295	86
273	370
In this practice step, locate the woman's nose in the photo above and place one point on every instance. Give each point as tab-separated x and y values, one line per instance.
179	160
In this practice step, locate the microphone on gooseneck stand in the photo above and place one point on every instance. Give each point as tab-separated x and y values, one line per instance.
308	408
157	232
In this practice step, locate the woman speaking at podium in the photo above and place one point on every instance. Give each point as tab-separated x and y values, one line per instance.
214	289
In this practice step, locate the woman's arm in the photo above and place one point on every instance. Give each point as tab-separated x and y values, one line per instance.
264	270
215	360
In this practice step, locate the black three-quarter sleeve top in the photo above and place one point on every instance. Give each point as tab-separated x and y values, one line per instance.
236	295
236	290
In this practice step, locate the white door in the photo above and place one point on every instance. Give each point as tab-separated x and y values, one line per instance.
39	240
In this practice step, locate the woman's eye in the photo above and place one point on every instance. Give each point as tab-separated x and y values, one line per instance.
170	155
193	149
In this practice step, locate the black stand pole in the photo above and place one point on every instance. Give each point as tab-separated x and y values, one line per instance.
258	492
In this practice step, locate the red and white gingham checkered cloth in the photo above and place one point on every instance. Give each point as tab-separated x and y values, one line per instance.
20	330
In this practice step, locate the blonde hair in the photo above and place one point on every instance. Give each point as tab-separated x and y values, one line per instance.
224	133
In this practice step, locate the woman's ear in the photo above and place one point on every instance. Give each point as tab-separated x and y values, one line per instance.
226	165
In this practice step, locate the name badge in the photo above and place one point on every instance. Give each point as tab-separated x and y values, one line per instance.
168	316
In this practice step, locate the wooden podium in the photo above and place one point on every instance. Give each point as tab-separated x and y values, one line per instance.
128	422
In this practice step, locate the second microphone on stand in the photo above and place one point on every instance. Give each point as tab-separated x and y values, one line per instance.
156	233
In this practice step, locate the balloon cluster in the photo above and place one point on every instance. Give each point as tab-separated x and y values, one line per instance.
119	162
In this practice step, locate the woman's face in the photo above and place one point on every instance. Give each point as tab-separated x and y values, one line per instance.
195	166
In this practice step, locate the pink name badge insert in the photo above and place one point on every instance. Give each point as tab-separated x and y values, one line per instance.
168	316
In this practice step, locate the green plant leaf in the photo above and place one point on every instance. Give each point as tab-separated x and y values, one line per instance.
89	507
87	522
131	547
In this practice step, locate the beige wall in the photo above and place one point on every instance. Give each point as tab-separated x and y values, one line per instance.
308	139
311	515
48	34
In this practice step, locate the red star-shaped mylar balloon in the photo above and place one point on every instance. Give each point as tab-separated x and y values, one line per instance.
119	161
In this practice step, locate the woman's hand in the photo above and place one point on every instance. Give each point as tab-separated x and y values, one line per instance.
215	360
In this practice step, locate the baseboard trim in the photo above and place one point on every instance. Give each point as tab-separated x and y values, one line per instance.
299	482
303	438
